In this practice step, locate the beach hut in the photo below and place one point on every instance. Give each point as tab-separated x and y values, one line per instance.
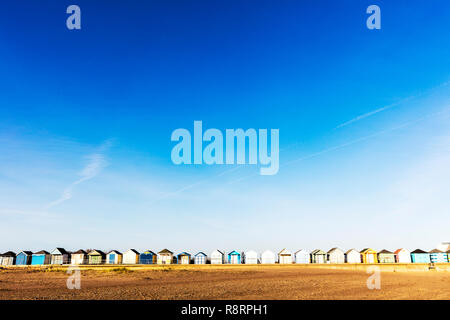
147	257
96	257
302	256
250	257
402	256
335	255
165	257
40	257
114	257
131	256
386	256
234	257
217	257
420	256
184	258
23	258
284	256
268	257
60	256
79	257
200	258
352	256
318	256
369	255
448	255
437	256
8	258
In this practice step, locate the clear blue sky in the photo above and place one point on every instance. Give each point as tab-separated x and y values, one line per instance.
86	118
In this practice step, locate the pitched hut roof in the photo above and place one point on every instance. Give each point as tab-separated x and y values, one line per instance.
28	253
348	251
133	250
201	253
61	251
165	251
334	250
386	251
318	251
41	252
284	252
436	251
419	251
96	252
81	251
8	254
148	252
183	254
114	251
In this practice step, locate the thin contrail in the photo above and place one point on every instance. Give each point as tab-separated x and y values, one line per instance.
371	113
93	168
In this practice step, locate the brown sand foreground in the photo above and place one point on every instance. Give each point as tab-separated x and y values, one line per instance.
222	282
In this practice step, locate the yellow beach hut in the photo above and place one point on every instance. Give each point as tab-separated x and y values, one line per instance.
369	255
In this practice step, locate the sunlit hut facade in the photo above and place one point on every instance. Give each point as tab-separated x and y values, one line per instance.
336	255
250	257
402	256
369	256
268	257
79	257
234	257
386	256
420	256
184	258
352	256
96	257
131	256
217	257
40	257
148	257
8	258
60	256
437	256
165	257
285	256
200	258
318	256
114	257
302	257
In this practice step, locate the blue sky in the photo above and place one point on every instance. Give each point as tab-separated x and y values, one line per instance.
86	118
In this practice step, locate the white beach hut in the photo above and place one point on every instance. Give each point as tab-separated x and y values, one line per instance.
268	257
302	256
251	257
335	255
217	257
285	257
352	256
402	256
130	256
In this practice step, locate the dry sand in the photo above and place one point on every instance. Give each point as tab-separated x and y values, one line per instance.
221	282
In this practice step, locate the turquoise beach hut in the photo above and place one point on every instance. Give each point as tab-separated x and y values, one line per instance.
234	257
420	256
40	257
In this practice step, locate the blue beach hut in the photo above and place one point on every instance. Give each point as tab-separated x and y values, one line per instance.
200	258
184	258
148	257
438	256
234	257
420	256
24	258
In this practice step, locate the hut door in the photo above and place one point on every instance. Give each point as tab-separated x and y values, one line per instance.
234	259
112	258
370	258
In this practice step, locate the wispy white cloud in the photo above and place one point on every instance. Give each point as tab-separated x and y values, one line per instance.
96	163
